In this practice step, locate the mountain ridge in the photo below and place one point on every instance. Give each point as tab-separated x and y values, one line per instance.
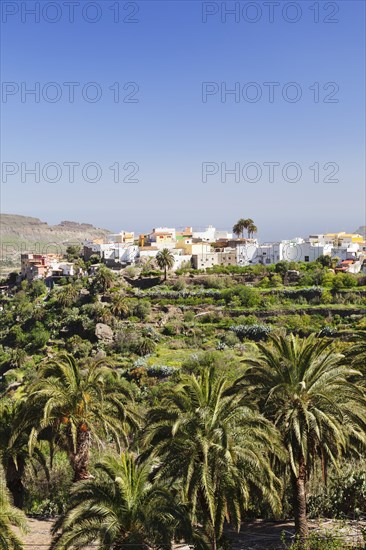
20	234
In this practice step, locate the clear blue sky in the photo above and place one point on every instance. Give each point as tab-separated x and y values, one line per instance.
170	132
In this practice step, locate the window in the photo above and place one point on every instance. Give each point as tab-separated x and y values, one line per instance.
306	259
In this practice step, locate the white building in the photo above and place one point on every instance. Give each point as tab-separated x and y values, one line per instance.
294	250
210	234
179	255
126	237
117	252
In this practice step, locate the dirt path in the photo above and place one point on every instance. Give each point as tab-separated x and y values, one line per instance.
254	535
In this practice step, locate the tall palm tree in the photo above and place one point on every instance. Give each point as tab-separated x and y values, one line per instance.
248	222
216	447
79	402
251	228
165	260
242	224
9	516
305	390
239	227
119	510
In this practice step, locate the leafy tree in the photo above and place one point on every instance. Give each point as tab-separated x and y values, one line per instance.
304	388
120	509
275	280
9	515
328	279
282	267
73	252
12	278
38	336
215	447
325	261
349	280
94	259
78	346
37	288
80	402
338	281
165	260
16	337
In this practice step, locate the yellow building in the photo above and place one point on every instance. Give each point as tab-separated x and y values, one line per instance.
344	237
194	248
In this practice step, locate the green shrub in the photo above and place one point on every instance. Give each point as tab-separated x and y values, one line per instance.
142	310
179	284
345	496
326	297
38	337
252	332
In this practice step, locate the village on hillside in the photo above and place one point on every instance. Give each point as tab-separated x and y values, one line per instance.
200	249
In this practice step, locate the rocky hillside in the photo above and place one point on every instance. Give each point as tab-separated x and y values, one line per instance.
361	230
25	234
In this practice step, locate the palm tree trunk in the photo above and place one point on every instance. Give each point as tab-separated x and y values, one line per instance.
299	486
14	481
80	459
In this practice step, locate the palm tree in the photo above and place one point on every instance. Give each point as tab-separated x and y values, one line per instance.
14	448
242	224
145	346
103	279
67	295
14	455
119	306
120	509
165	260
305	390
79	403
215	447
251	228
9	515
248	222
239	227
357	353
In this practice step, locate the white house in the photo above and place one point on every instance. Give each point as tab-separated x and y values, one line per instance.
210	234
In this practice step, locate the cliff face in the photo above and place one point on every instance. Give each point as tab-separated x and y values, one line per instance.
25	234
